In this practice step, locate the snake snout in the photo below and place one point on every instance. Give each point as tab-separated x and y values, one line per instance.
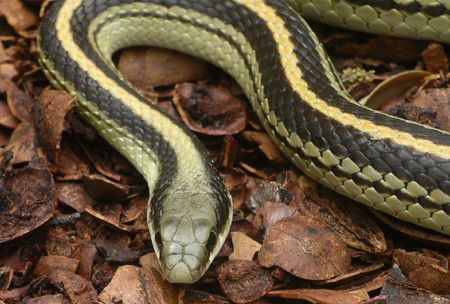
185	245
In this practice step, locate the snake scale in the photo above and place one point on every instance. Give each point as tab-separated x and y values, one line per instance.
389	164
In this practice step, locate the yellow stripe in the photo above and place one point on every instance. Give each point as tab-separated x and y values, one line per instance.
294	75
178	140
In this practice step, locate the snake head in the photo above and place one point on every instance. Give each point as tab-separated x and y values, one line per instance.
186	237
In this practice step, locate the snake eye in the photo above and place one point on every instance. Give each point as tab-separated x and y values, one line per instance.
212	240
158	239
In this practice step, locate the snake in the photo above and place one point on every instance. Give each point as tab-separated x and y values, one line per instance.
386	163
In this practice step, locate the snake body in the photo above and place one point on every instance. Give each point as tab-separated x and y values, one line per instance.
386	163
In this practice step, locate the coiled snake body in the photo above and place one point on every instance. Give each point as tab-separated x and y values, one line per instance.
389	164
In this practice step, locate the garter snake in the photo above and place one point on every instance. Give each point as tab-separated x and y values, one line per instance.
387	163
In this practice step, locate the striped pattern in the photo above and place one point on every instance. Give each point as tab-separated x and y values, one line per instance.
395	166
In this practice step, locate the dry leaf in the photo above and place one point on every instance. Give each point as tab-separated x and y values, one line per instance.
50	119
49	299
435	58
7	120
117	249
79	290
74	196
244	248
132	284
410	261
271	213
399	290
353	225
318	296
49	264
266	145
210	109
147	67
19	103
192	296
101	188
244	281
28	199
87	254
306	248
17	14
22	144
433	278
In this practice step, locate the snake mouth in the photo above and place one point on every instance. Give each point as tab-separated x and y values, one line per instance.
183	264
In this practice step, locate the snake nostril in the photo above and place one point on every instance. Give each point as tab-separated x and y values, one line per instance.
212	240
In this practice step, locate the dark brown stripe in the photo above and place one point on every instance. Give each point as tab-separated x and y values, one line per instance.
433	10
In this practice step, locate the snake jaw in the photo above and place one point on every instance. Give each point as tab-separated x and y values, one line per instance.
183	264
186	237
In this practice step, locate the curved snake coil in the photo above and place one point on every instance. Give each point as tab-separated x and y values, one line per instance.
387	163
